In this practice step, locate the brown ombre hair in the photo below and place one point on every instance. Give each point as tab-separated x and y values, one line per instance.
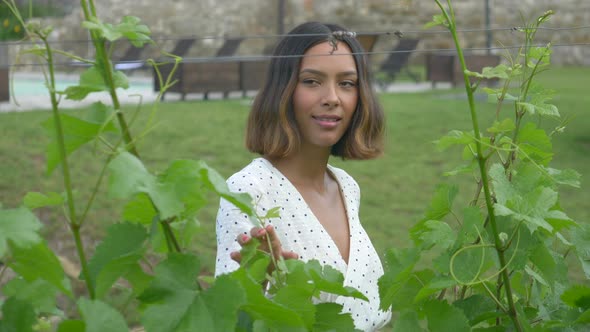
272	130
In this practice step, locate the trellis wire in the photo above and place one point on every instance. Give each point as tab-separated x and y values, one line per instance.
396	33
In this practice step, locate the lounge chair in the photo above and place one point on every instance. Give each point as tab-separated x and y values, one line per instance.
202	77
397	61
131	60
367	42
229	47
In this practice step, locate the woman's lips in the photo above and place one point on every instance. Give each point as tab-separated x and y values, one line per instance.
327	121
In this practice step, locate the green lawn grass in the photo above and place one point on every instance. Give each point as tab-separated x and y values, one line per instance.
396	188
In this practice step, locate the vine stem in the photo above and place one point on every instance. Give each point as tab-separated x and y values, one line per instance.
169	234
74	223
450	18
104	64
272	254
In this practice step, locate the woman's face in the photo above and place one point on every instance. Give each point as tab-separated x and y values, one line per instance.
326	95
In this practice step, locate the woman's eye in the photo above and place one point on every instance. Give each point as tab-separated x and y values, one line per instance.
348	84
309	81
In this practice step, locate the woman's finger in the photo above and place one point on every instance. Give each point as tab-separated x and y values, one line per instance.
243	239
274	241
257	232
290	255
236	256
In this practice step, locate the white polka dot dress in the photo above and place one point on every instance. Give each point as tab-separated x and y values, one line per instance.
300	231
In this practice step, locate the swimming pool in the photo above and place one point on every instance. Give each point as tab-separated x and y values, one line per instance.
34	84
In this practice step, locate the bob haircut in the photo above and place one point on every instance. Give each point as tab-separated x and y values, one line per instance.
272	130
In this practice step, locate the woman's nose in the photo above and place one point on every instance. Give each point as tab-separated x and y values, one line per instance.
331	97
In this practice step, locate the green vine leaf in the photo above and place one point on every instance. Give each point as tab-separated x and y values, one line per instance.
72	325
547	263
424	233
540	109
304	281
535	143
454	137
507	125
567	177
296	298
140	210
217	183
273	213
577	296
462	169
129	176
180	190
584	318
101	114
434	286
398	267
408	321
443	317
501	71
471	228
35	200
329	317
478	308
130	28
92	80
436	21
77	132
433	233
177	192
138	34
99	317
537	277
545	17
39	293
442	202
117	255
251	256
261	308
20	227
580	237
527	198
174	303
539	57
494	95
39	262
533	209
324	278
470	264
18	316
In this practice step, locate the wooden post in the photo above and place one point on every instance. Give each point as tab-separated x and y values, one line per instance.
4	76
4	84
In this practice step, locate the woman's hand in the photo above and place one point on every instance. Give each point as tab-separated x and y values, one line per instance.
261	234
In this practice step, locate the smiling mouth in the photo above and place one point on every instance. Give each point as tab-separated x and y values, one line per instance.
326	118
327	121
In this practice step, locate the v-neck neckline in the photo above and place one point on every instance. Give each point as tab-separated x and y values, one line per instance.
315	218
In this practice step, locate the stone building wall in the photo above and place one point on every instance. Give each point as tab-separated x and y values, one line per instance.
410	15
176	18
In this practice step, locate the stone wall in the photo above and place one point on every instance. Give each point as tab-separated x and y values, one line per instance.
409	16
176	18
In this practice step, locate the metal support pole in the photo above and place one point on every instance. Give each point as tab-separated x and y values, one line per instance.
281	18
488	27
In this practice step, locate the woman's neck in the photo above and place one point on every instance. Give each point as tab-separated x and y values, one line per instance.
308	170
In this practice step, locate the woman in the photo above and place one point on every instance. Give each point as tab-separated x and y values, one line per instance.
317	101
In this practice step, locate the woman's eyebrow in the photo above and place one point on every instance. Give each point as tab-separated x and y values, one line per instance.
321	73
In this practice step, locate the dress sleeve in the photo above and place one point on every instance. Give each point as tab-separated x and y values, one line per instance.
230	223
